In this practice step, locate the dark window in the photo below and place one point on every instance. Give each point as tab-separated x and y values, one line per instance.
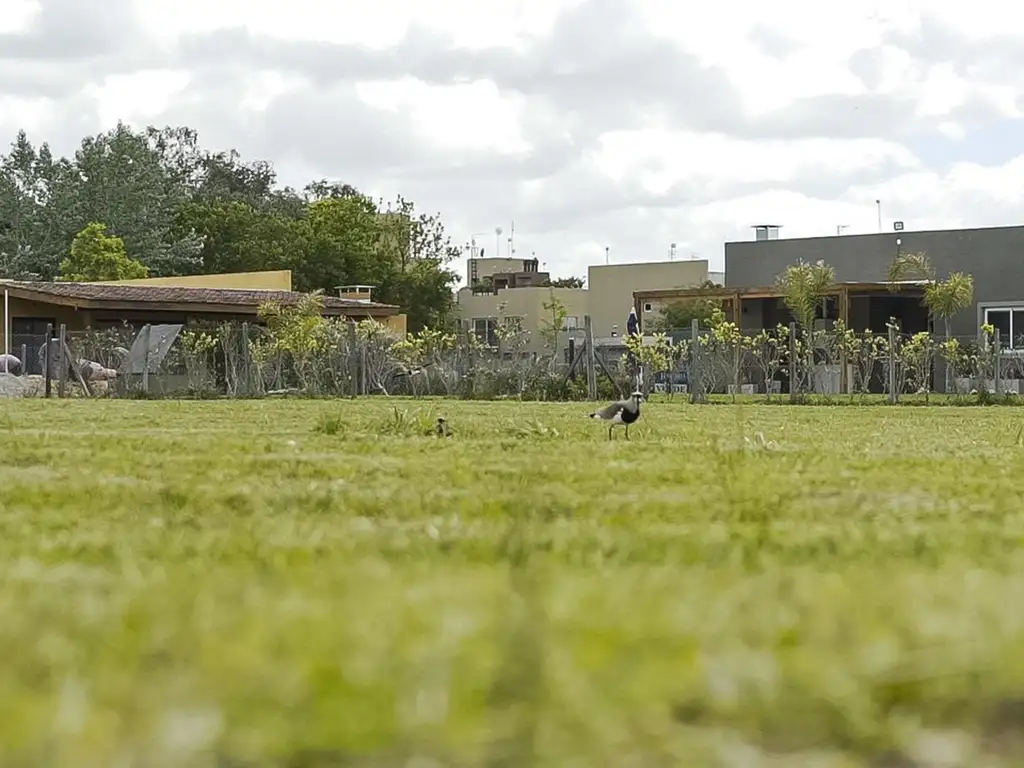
485	329
1000	319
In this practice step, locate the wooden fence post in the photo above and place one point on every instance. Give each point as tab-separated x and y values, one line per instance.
62	374
893	394
353	361
147	332
47	372
591	358
696	390
997	363
793	386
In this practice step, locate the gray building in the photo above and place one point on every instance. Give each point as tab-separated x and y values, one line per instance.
994	256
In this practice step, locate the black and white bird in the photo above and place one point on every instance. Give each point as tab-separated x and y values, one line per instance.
442	429
623	412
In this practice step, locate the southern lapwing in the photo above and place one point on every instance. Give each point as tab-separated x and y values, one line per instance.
623	412
442	429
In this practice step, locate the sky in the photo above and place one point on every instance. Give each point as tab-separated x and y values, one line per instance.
621	124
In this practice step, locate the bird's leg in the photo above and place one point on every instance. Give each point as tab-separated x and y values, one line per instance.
610	427
627	431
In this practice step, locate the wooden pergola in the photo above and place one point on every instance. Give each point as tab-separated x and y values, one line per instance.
734	297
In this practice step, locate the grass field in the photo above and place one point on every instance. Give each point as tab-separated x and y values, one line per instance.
320	583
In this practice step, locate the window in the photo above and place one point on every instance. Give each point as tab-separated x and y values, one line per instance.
1009	321
485	329
648	307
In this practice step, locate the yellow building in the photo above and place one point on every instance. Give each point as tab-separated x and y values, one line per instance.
30	307
607	297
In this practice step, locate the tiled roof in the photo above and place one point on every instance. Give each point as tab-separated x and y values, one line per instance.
153	294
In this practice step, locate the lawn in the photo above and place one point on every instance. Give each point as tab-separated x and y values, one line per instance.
320	583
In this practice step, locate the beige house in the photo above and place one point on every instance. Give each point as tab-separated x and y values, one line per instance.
513	288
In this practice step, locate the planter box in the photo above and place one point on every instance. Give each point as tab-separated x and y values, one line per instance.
745	389
828	378
964	386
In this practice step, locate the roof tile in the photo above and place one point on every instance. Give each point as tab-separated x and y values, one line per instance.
152	294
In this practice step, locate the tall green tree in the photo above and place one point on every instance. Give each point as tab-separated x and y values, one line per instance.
943	298
417	252
95	255
123	182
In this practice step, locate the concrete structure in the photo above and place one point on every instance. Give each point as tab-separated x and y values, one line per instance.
992	255
611	287
30	306
607	297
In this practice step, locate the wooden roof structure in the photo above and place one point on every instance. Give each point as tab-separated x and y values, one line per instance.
155	298
736	296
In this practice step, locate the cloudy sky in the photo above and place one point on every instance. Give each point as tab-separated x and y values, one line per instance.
631	124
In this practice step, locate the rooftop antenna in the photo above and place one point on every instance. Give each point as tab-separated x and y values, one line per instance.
512	240
672	252
840	228
497	241
607	250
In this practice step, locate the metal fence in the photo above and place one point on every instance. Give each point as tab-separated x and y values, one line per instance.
788	361
352	359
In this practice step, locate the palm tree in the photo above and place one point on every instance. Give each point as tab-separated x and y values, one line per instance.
943	298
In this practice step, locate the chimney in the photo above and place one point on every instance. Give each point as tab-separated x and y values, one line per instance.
360	293
767	231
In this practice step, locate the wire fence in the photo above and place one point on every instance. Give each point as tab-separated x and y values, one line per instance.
344	359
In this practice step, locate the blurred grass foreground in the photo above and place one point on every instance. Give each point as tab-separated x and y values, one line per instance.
297	583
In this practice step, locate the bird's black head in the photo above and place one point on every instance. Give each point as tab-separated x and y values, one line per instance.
440	419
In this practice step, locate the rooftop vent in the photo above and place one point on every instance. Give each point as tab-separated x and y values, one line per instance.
767	231
361	293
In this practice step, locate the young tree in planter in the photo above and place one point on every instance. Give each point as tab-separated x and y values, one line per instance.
942	298
803	287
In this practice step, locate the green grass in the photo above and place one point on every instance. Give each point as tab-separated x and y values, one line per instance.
294	583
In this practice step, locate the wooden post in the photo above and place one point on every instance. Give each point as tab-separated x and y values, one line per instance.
147	332
24	359
696	392
997	354
246	360
893	395
353	361
47	373
845	385
588	328
793	391
736	359
362	370
572	358
62	374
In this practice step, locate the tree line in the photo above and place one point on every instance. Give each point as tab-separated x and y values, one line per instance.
154	202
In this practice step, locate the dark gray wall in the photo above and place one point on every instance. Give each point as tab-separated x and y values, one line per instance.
994	256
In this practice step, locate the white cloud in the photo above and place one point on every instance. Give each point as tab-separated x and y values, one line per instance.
17	15
808	142
137	97
471	117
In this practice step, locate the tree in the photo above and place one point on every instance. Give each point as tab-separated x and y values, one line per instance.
680	314
565	282
553	323
122	181
803	287
416	250
237	237
98	256
942	298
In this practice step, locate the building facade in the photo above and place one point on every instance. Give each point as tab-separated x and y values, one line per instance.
514	288
992	255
